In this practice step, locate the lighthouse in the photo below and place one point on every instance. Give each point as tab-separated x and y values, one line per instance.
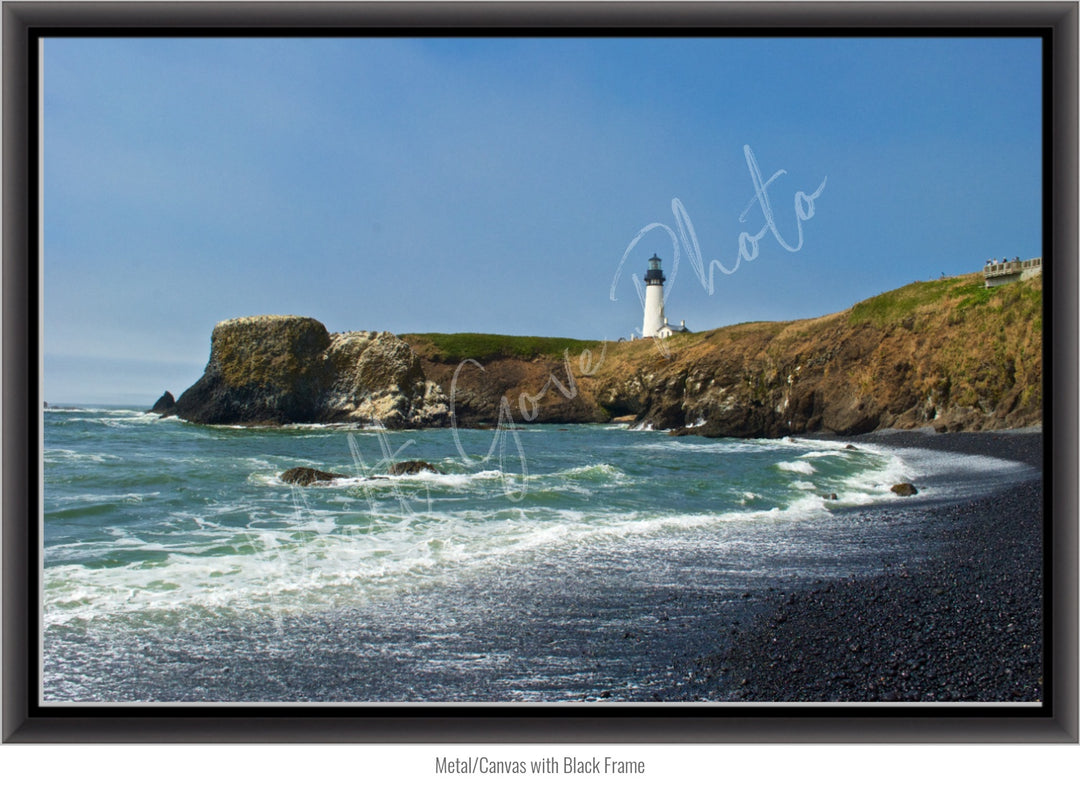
654	299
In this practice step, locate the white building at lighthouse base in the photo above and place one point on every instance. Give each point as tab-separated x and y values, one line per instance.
666	330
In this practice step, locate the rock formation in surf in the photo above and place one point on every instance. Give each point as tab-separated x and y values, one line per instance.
289	369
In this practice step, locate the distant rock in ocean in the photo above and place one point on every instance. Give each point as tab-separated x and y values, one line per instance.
305	476
164	406
413	468
275	369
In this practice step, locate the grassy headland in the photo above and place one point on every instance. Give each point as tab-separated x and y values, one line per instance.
949	353
455	347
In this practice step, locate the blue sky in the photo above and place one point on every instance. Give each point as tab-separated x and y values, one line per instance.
493	185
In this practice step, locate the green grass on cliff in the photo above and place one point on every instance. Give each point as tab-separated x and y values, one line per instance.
898	304
962	296
976	346
915	306
455	347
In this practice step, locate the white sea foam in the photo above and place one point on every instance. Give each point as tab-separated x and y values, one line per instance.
319	561
126	420
726	446
603	471
425	478
136	542
78	500
322	426
806	506
802	467
747	497
890	470
265	548
63	455
941	474
111	411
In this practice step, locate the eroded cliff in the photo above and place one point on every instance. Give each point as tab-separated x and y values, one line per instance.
948	353
288	369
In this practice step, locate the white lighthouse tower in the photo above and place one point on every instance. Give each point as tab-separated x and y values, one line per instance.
654	299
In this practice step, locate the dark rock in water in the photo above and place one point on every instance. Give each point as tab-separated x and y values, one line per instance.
305	476
412	467
904	490
830	496
164	406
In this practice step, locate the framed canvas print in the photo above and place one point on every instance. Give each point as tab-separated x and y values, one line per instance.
525	372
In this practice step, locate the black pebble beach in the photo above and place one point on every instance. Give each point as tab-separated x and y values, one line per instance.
964	625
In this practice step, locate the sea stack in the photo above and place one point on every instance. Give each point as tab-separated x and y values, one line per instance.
278	369
164	406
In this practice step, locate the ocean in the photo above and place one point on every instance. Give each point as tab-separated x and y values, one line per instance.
542	563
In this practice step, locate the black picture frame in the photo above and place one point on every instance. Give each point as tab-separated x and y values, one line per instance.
25	720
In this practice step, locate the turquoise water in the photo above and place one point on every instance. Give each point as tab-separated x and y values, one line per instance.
148	521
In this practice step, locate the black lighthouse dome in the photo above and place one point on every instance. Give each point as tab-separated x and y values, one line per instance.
655	275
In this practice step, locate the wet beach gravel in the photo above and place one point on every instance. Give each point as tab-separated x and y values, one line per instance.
965	625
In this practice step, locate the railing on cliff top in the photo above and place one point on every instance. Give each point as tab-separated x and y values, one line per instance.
993	269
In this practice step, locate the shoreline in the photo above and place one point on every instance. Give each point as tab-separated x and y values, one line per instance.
964	625
906	601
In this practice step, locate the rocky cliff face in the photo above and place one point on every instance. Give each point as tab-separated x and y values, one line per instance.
948	354
377	377
540	390
289	369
